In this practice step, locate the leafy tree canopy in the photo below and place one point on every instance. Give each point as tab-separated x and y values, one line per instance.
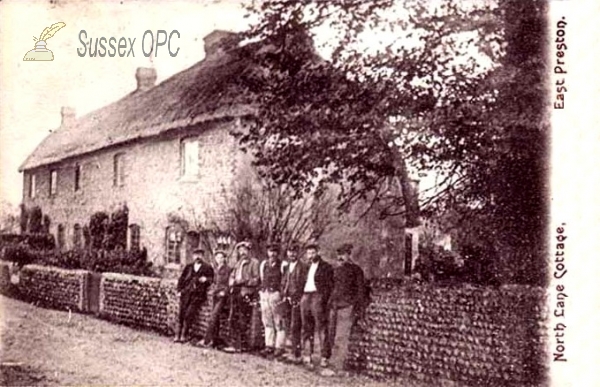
454	88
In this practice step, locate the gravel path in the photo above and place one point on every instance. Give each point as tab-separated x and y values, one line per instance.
48	347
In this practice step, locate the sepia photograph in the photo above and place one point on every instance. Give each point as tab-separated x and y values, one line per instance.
297	193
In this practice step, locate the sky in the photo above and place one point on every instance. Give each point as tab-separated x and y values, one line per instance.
32	93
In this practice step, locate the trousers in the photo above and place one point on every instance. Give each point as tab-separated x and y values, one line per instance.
314	323
293	326
212	331
272	319
240	318
340	325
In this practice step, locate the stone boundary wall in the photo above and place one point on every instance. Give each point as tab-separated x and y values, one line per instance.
150	303
55	287
465	335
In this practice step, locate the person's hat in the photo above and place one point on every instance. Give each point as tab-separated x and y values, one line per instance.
312	244
346	248
222	252
293	246
272	247
245	244
198	250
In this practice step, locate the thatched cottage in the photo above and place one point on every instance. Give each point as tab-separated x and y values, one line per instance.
164	149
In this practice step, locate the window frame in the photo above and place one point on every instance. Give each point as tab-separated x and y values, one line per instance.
134	237
60	236
77	236
32	185
77	178
119	170
173	252
53	182
185	171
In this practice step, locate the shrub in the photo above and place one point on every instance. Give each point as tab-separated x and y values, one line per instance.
97	229
33	241
20	254
35	225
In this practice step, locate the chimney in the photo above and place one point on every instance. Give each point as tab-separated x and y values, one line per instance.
219	41
68	116
145	77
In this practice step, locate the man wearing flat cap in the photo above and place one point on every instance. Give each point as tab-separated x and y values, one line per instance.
346	303
192	285
271	302
313	305
220	299
243	285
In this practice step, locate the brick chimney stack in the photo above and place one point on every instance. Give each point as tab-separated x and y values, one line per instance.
146	78
219	41
68	116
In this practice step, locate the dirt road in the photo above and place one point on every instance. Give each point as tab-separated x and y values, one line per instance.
47	347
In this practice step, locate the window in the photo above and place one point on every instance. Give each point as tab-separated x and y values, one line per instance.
118	170
32	186
189	157
53	181
77	177
60	236
134	237
174	241
77	236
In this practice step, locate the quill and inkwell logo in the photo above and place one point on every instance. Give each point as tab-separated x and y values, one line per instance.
40	52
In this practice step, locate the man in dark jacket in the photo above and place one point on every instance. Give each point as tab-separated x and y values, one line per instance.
347	301
313	305
192	285
294	279
220	298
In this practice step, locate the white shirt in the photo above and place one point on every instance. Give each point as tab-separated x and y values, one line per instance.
310	281
292	266
197	266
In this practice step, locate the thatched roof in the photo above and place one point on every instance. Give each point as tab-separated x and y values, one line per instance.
211	89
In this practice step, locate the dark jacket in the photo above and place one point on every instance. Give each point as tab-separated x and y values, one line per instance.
222	279
349	288
293	283
189	282
323	278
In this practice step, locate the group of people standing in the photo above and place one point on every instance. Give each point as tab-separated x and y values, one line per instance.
300	300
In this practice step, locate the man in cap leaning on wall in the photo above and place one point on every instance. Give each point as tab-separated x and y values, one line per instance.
220	298
243	284
346	303
193	285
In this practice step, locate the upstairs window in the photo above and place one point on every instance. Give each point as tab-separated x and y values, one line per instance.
53	181
119	170
190	163
32	186
77	182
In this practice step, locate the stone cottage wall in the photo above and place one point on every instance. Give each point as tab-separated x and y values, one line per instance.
153	184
